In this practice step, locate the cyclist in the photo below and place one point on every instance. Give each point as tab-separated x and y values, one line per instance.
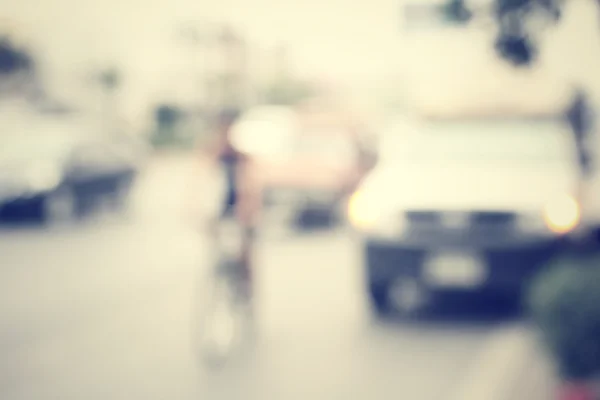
240	193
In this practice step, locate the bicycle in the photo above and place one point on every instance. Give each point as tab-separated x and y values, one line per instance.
223	323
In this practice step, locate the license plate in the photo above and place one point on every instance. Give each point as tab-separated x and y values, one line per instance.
459	270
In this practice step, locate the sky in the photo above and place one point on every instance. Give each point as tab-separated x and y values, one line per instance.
324	38
360	44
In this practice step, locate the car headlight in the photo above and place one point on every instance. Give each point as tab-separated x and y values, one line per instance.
42	176
371	213
559	216
562	215
361	210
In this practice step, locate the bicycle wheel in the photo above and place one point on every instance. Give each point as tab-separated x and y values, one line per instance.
221	325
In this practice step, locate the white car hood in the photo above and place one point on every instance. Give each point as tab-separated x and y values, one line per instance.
447	187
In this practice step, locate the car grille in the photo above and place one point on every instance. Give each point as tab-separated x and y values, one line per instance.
466	223
505	219
422	218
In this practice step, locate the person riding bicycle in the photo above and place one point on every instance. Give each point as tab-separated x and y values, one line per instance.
239	200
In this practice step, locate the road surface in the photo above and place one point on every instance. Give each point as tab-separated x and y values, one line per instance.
105	310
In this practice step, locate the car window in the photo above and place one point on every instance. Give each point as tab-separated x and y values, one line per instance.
479	142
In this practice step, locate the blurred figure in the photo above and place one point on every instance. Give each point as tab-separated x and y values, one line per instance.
238	201
580	119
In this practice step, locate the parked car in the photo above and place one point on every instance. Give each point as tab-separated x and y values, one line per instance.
307	168
59	169
464	205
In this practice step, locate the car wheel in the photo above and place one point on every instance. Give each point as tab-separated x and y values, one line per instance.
60	206
408	296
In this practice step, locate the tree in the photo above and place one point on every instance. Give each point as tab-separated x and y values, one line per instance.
167	132
110	79
518	22
456	11
166	116
18	72
12	59
287	92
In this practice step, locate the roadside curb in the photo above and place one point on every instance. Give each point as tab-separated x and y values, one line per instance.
500	368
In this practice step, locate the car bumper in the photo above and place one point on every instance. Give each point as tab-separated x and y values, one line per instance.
509	265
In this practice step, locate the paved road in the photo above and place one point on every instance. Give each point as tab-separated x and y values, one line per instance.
105	310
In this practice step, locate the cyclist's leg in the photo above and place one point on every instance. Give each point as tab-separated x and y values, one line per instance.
249	218
247	215
248	252
247	247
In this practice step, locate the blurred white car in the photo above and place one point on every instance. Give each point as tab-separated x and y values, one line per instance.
58	168
464	205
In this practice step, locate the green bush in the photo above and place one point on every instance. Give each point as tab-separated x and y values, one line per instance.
565	304
171	138
167	116
456	11
13	59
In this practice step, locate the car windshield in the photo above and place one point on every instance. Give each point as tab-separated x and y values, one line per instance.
478	142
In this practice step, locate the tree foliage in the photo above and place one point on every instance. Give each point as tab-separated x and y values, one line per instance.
517	22
457	11
110	79
287	92
167	116
13	59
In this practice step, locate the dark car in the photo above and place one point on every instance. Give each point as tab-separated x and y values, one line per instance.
57	170
464	206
